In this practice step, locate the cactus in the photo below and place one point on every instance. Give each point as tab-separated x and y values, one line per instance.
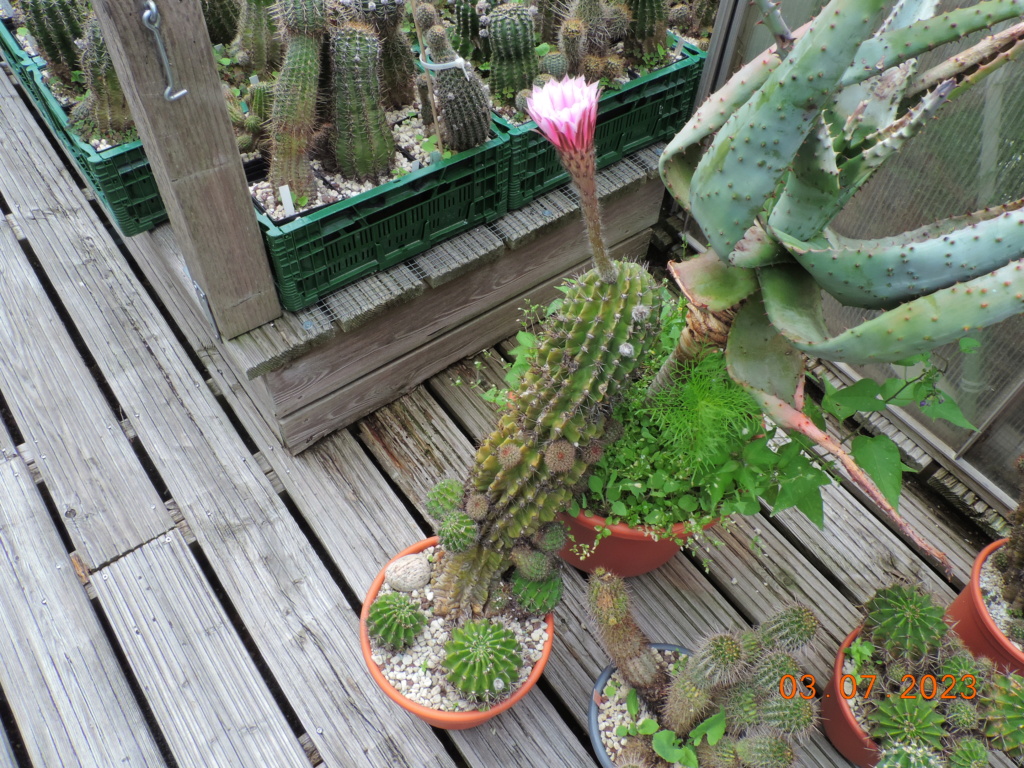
914	721
907	756
765	752
533	564
637	753
572	42
513	57
790	629
300	17
221	18
364	146
968	753
457	532
905	618
554	63
537	597
795	717
256	44
293	117
444	497
56	25
467	26
395	620
584	355
1004	715
104	111
622	638
962	715
462	102
721	755
647	26
551	538
483	659
398	70
251	122
720	661
1010	563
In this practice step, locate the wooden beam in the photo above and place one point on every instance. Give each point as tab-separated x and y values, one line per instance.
191	147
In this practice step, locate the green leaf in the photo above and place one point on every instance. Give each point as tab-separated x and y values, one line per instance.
619	510
543	49
429	144
880	458
666	744
862	396
632	703
945	407
595	483
713	728
23	31
622	731
647	726
969	346
225	61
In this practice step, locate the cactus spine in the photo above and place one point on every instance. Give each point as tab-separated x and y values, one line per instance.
648	23
364	145
105	106
483	659
252	122
221	18
56	25
513	57
256	44
462	103
398	72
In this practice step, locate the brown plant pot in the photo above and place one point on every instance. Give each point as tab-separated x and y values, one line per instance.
837	718
626	551
971	621
452	721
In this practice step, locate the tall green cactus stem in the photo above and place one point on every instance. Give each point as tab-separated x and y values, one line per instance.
256	44
467	26
647	26
221	18
301	17
398	69
592	14
293	118
549	16
626	644
105	106
56	25
462	102
364	145
572	41
513	55
586	353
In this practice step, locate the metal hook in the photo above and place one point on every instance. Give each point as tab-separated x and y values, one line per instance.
151	18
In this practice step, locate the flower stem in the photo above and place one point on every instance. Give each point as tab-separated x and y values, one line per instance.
582	167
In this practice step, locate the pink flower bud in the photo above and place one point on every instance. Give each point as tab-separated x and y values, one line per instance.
565	112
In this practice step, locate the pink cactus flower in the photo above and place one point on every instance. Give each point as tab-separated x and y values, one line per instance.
565	112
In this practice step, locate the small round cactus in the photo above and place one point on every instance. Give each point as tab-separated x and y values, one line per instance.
968	753
765	752
408	573
1004	714
592	452
560	456
444	498
477	506
483	659
685	704
719	661
905	618
795	717
913	721
537	597
962	715
457	532
395	620
551	538
532	564
770	669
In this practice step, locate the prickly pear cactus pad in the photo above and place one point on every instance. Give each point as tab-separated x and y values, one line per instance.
446	663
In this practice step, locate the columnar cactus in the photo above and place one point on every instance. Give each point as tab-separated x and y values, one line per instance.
398	72
256	44
364	144
513	55
293	119
572	41
648	24
467	26
221	18
104	110
462	103
549	17
56	25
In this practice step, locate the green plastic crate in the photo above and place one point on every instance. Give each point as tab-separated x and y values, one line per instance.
121	176
317	253
649	109
21	63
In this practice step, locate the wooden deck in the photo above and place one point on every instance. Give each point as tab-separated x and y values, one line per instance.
177	590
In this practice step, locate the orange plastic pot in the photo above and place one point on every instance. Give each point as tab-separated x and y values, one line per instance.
626	551
972	622
837	718
452	721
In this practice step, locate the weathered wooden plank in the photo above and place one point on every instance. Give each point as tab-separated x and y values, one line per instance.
296	614
343	497
70	699
106	512
398	377
459	388
191	148
213	707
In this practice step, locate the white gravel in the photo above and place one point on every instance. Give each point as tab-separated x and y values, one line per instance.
417	671
991	583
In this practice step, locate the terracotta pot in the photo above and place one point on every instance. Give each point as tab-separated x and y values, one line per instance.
840	725
627	551
975	627
595	700
453	721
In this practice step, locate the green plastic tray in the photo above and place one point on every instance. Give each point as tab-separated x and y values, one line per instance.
649	109
320	252
21	63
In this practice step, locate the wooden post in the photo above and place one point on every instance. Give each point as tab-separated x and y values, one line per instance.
191	147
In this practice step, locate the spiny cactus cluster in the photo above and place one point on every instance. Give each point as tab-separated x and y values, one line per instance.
104	110
513	55
221	17
56	26
951	722
524	471
483	659
590	28
395	620
737	673
256	43
1009	561
462	103
250	116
